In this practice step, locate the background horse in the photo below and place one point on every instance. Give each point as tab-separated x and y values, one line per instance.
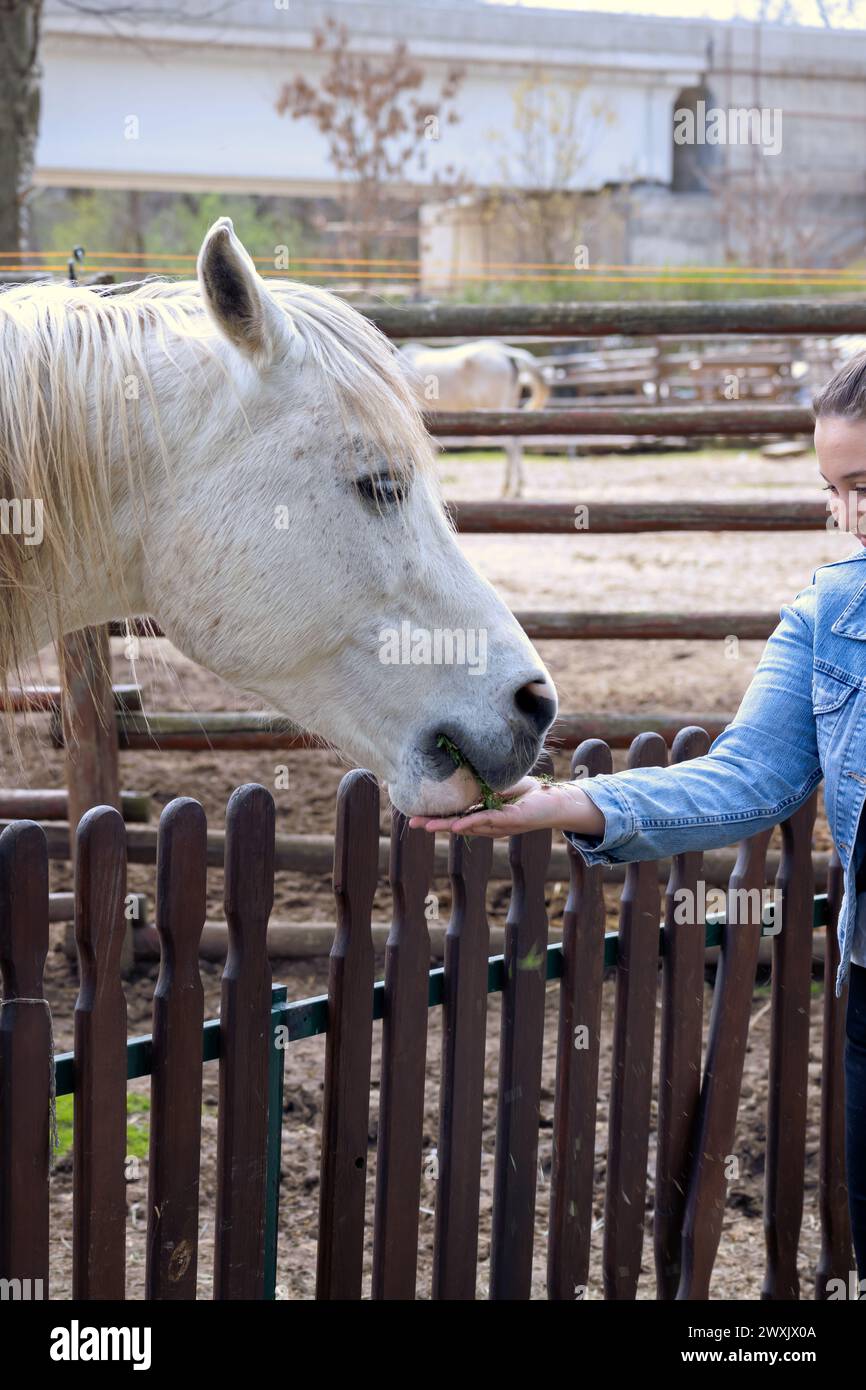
486	375
246	463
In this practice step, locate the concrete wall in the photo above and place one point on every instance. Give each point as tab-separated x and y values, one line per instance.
204	92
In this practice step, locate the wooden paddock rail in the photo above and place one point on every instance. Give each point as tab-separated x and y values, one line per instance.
539	624
614	518
698	1097
53	805
47	699
655	420
251	731
803	317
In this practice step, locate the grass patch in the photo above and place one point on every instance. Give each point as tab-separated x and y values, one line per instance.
490	800
137	1126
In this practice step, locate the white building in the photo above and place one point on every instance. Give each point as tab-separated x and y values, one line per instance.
185	102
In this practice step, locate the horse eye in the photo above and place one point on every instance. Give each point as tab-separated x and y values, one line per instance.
381	489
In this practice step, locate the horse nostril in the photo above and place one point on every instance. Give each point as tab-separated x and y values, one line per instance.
536	701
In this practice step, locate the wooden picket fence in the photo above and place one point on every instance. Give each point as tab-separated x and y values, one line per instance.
697	1097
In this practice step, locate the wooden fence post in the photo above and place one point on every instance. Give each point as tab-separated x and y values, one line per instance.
92	771
404	1057
245	1044
461	1096
578	1051
679	1089
520	1058
346	1110
716	1120
25	1060
89	735
99	1114
632	1063
835	1259
176	1079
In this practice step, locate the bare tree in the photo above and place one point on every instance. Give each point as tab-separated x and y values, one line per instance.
377	128
20	88
20	76
538	190
830	12
782	221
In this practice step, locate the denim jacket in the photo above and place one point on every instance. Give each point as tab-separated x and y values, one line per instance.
802	718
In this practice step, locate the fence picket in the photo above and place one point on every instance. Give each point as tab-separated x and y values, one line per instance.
716	1125
99	1125
404	1045
245	1014
632	1065
697	1115
576	1094
464	1024
25	1059
176	1084
784	1172
681	1040
835	1260
520	1057
346	1115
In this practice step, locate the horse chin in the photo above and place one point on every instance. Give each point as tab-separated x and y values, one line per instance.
430	798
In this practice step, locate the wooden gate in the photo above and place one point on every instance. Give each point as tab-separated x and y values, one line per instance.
658	956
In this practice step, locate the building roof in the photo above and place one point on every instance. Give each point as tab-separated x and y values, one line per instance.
464	27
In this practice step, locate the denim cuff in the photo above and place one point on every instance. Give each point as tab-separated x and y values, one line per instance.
619	820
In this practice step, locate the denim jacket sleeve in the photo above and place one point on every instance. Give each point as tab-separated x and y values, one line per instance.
758	770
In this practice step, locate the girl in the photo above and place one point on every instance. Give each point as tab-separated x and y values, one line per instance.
802	718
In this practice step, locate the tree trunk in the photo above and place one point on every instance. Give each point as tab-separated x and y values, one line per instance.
20	76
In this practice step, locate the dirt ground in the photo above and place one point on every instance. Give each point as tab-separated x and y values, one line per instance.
675	572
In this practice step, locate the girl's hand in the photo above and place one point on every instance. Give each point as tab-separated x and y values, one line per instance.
532	805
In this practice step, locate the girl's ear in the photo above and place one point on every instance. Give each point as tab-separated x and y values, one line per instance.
238	300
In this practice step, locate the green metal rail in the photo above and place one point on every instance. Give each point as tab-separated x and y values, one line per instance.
308	1018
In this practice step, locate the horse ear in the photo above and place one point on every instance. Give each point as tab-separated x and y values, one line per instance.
237	298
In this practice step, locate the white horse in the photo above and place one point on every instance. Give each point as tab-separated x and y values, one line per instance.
246	463
486	375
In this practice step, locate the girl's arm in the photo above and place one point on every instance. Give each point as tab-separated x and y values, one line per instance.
757	772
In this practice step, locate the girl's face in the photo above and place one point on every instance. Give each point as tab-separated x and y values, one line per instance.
841	448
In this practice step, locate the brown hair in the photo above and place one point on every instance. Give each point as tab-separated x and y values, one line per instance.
845	393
